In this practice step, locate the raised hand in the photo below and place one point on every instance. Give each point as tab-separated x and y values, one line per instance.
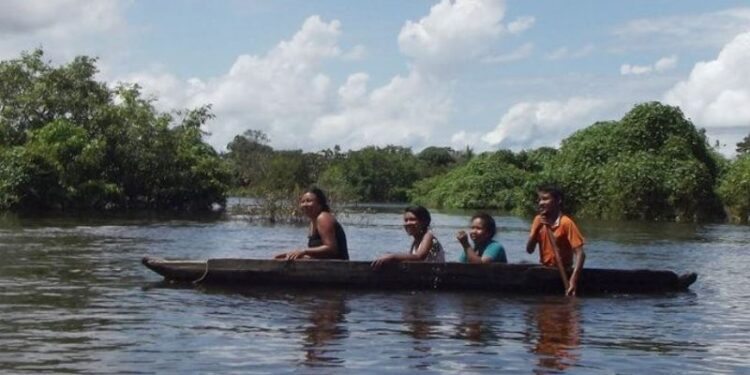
463	238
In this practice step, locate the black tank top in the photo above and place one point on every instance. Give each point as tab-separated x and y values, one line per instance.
315	241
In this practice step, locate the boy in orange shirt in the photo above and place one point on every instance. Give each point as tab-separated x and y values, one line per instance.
565	234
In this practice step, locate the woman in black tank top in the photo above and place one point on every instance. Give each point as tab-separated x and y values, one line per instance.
326	239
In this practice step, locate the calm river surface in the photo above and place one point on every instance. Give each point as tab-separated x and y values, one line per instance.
74	298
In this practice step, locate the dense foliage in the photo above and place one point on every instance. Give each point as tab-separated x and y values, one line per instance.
70	142
652	164
491	180
735	189
743	147
372	174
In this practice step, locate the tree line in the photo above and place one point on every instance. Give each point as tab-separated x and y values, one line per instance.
68	141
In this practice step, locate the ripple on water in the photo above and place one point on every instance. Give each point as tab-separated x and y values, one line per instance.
74	298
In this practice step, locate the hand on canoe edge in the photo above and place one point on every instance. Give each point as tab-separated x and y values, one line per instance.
292	255
377	263
571	292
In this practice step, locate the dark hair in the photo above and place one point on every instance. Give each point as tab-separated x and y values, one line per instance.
489	222
553	190
421	213
322	200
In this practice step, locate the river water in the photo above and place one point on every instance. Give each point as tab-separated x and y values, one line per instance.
74	298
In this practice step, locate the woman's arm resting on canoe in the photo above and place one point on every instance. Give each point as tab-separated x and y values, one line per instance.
580	260
327	230
421	253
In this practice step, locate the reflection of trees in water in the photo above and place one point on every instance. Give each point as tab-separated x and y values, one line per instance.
325	330
557	336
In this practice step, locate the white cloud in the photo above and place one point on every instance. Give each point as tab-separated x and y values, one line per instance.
354	90
521	24
536	124
286	94
62	27
57	16
280	93
405	111
690	31
563	53
663	64
627	69
717	92
453	32
519	54
463	139
356	53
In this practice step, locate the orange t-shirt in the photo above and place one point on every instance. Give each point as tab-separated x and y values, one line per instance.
568	237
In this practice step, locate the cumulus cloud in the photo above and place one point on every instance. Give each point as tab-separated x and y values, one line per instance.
286	93
717	92
521	24
521	53
663	64
58	16
63	27
453	32
280	93
536	124
690	31
564	53
406	111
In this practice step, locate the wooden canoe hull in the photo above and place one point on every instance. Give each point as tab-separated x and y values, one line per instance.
511	278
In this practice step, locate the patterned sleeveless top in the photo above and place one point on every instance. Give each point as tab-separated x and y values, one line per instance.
436	253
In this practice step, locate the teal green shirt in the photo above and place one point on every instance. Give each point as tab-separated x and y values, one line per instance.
493	250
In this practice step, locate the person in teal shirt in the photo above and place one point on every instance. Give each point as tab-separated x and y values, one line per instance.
485	249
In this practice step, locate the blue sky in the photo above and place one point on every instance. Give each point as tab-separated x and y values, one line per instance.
487	74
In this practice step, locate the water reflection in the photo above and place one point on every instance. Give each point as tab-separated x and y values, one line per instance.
557	336
420	323
472	325
327	328
72	300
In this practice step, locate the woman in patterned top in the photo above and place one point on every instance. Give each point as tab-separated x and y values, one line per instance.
424	247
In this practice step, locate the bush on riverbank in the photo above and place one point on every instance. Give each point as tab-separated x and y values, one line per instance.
735	189
652	164
70	142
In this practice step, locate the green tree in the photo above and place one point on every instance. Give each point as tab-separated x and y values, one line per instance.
735	189
743	147
652	164
380	174
249	155
68	141
490	180
33	93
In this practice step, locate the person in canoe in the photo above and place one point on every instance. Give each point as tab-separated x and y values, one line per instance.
326	238
556	233
485	248
424	247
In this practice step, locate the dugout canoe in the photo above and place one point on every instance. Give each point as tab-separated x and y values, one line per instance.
511	278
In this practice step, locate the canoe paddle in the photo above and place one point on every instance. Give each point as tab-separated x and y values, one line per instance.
558	259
